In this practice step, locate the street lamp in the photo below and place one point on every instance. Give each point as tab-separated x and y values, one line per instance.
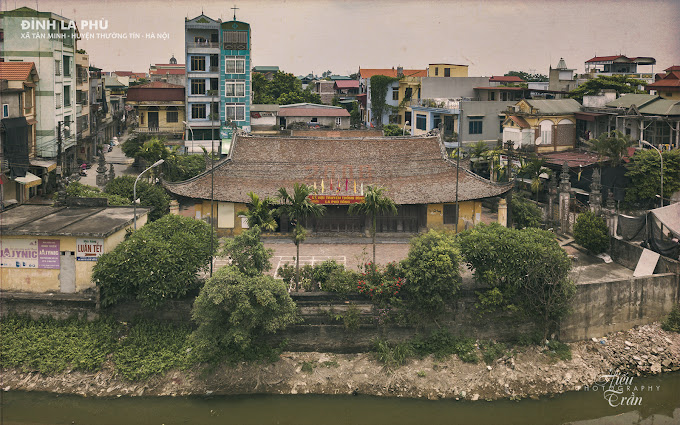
134	189
192	135
403	131
660	156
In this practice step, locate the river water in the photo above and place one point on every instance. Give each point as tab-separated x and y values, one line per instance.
659	403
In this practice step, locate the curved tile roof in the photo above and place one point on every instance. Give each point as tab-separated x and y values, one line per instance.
414	170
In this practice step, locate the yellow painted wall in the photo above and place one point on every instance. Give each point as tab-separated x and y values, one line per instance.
469	211
456	70
204	209
674	95
178	126
47	280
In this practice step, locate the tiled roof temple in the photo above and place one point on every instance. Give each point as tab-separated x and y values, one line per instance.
414	170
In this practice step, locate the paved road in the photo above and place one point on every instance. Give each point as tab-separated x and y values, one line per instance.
122	165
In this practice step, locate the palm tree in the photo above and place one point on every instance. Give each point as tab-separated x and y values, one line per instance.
297	207
260	213
613	145
532	169
478	152
375	203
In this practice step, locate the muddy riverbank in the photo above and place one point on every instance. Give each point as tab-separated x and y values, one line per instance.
524	372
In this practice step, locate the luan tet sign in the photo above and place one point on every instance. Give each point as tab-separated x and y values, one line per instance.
89	249
336	199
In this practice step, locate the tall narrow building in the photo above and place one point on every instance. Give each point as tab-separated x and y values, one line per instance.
218	82
50	42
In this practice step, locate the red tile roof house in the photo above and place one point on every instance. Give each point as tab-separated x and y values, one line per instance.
313	116
668	86
415	171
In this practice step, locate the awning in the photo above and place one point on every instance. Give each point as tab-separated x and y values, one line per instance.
48	165
670	217
30	180
587	116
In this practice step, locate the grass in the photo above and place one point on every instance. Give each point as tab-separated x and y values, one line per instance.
558	350
492	351
308	367
672	322
441	344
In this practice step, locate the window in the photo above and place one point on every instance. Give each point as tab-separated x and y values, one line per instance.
421	122
198	63
198	111
141	118
235	89
57	67
236	111
67	66
407	117
450	214
338	121
500	121
198	86
395	93
394	119
214	84
408	93
235	65
57	99
436	71
475	126
67	96
5	110
200	40
492	95
447	72
235	40
171	115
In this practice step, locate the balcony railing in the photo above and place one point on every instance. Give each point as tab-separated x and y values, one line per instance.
159	130
204	44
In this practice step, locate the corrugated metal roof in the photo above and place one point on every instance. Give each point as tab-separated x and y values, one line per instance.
629	99
506	79
555	106
347	84
264	108
313	112
661	107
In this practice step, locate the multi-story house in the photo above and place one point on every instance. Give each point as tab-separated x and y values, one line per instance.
618	65
86	146
51	45
406	86
17	133
159	107
218	81
172	72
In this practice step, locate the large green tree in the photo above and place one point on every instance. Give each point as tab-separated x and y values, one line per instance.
644	171
283	89
158	262
296	207
620	83
528	77
376	203
526	271
149	195
247	252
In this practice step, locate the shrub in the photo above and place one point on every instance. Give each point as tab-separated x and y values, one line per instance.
247	252
151	348
672	322
525	213
233	311
526	270
159	261
442	344
492	351
341	281
390	130
383	289
287	273
591	232
432	274
557	349
79	190
51	346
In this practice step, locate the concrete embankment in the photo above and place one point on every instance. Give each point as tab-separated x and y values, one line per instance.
524	372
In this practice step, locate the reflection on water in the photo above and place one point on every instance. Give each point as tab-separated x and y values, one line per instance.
582	408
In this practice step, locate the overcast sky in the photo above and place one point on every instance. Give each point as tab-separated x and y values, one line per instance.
303	36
